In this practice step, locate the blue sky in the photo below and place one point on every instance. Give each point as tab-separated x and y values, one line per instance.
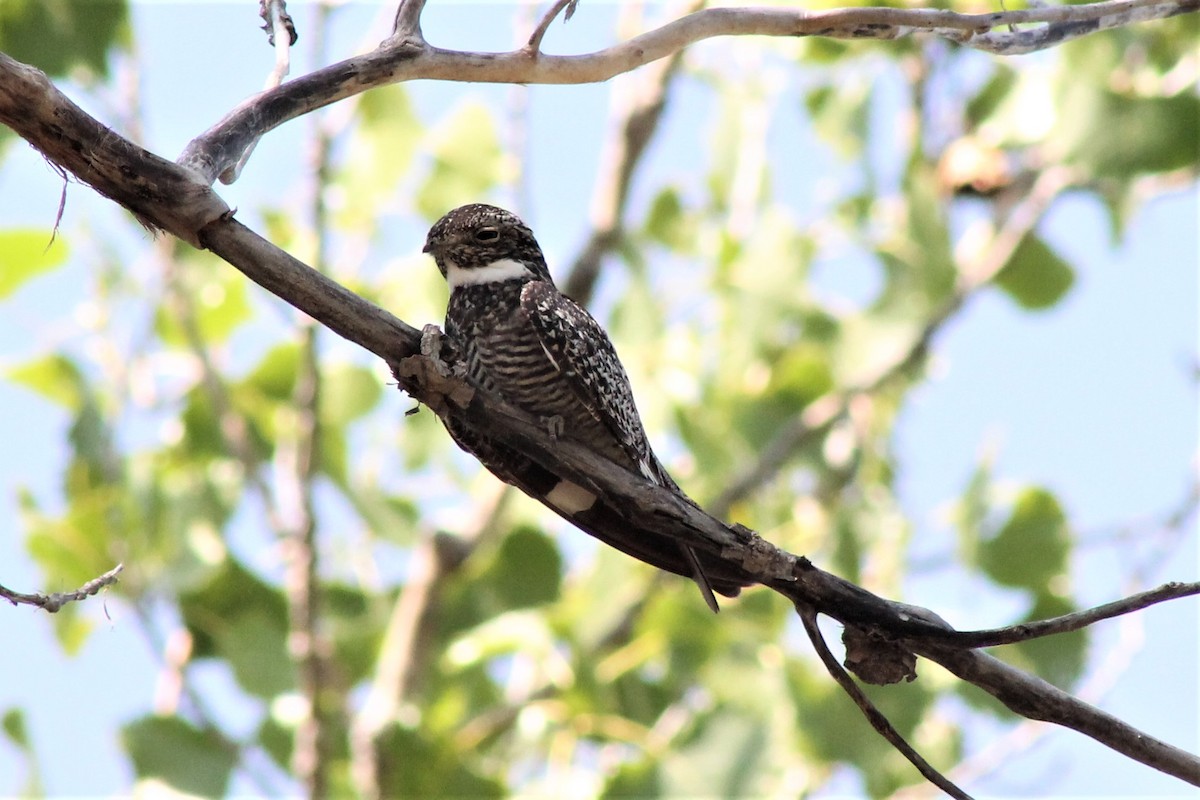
1093	399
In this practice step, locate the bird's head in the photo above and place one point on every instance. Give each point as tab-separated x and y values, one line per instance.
479	243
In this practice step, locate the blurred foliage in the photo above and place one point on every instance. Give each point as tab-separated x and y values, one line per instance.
545	662
62	37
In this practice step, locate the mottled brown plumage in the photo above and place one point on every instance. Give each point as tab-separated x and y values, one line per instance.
544	353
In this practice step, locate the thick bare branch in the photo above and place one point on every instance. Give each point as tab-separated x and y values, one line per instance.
161	194
406	56
1033	698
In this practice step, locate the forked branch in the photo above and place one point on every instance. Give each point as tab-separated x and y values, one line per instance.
407	56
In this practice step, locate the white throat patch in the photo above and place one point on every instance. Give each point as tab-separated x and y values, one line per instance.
503	270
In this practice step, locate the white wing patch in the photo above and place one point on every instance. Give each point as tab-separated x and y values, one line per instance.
504	269
570	498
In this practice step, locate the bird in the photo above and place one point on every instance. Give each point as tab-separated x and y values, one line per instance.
524	340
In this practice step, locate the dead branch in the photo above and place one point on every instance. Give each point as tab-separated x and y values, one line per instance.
407	56
54	601
874	716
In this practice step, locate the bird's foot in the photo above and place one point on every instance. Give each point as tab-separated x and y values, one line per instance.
432	341
554	426
442	351
436	375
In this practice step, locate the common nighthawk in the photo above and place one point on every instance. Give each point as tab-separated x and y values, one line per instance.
542	352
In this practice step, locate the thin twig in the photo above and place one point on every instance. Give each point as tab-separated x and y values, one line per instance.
408	22
54	601
1074	621
534	45
282	35
878	721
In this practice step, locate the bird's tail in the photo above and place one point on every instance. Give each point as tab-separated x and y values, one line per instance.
600	519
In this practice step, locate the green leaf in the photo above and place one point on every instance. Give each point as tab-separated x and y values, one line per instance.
466	164
231	591
275	375
639	779
26	254
380	151
15	729
17	732
668	222
989	98
1031	548
277	740
722	760
527	570
1035	275
220	304
347	393
192	760
55	377
1122	136
971	512
355	623
390	517
56	36
72	629
255	645
840	113
799	376
412	765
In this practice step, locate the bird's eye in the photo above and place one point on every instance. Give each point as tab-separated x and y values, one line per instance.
487	235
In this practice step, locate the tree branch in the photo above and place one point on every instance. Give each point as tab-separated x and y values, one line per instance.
297	457
1033	698
1077	620
894	624
534	45
406	56
54	601
408	22
160	193
878	721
